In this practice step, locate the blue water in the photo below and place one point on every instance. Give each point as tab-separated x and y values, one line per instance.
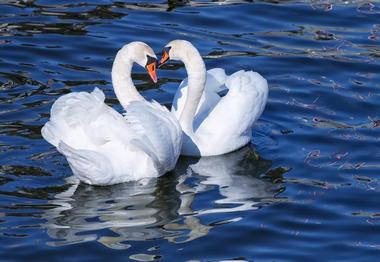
306	189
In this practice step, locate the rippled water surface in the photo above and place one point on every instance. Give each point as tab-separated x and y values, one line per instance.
307	187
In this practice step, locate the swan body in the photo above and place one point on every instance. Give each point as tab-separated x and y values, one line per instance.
104	147
212	124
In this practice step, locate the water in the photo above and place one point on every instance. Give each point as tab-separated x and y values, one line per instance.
307	188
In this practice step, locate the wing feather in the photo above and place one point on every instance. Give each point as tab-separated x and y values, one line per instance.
158	129
103	147
239	108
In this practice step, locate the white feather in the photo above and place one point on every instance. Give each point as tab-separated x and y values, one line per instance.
212	124
101	146
223	124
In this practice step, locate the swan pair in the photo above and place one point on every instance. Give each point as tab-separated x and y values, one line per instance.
104	147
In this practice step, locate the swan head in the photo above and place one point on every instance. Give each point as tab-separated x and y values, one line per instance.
143	55
177	50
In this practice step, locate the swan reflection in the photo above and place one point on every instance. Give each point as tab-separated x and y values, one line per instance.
235	175
134	211
162	207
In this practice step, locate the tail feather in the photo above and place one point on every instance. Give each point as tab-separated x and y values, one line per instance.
50	133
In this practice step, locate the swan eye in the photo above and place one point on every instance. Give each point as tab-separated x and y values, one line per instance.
150	60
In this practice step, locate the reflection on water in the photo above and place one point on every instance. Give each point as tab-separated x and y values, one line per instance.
160	208
236	177
134	211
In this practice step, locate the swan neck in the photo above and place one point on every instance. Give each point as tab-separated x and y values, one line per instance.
196	71
123	86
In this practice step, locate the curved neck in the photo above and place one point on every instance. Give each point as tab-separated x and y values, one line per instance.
196	71
123	86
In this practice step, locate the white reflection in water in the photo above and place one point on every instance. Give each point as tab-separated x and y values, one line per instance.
236	179
160	208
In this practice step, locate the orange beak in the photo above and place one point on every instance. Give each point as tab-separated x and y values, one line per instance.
151	68
164	58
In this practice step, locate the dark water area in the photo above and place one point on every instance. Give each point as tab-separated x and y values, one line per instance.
306	189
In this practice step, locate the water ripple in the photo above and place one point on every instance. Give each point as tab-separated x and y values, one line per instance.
309	179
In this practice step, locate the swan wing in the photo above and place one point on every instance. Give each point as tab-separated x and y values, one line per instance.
158	130
100	145
83	120
232	118
215	80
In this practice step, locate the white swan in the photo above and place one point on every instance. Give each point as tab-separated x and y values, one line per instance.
214	125
101	146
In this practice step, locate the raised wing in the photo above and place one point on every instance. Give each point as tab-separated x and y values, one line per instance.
236	112
157	129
